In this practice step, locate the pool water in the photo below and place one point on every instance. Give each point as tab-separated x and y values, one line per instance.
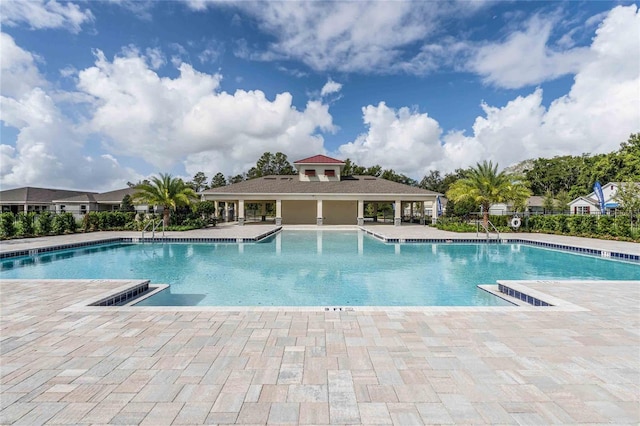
323	268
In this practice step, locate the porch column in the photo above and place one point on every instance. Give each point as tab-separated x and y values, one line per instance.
375	212
360	212
423	220
397	217
215	209
319	212
263	211
434	212
278	212
411	212
241	212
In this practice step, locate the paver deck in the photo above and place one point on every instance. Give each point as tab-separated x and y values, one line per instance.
66	364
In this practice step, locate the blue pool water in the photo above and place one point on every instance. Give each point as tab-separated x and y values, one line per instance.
327	268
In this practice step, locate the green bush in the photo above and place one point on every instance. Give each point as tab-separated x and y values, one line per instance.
25	224
454	224
622	226
64	223
586	225
7	225
43	224
500	220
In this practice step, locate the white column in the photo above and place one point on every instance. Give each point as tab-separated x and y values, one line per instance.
360	220
263	210
215	206
397	218
278	212
434	212
319	212
240	212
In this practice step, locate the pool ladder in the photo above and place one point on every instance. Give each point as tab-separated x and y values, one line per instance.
154	226
487	229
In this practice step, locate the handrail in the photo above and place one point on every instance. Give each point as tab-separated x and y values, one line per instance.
487	228
154	226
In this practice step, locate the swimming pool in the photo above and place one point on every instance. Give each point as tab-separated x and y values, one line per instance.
319	268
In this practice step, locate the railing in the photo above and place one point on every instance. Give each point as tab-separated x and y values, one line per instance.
487	229
154	226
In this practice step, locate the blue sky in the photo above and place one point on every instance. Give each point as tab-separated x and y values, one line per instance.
95	94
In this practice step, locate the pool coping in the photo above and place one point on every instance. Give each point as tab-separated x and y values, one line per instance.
553	304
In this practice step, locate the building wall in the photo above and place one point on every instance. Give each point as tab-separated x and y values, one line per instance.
299	212
581	203
340	212
319	173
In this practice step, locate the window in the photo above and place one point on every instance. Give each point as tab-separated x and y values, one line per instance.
330	172
582	210
62	208
83	209
310	172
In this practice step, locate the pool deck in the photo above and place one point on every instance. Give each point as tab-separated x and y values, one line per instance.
65	363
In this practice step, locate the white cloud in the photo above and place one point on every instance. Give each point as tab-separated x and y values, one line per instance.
18	69
399	139
42	14
598	113
48	150
525	57
368	37
330	87
167	121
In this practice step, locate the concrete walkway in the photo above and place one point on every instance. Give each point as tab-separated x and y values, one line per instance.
65	363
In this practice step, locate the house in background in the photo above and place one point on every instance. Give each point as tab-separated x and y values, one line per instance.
534	206
589	204
82	204
30	199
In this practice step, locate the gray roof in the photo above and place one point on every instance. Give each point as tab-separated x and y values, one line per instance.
111	197
536	201
291	184
31	195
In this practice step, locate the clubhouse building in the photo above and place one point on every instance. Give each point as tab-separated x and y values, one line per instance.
320	195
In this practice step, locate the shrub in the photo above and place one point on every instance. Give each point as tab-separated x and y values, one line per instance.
43	225
7	225
25	224
64	223
454	224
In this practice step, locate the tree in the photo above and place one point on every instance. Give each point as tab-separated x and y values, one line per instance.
236	179
165	191
548	202
433	182
199	182
517	194
126	205
628	196
218	180
562	201
133	185
483	185
271	164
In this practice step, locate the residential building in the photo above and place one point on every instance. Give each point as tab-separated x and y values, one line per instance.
82	204
31	199
589	204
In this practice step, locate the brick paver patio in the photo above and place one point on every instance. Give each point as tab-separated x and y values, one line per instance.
67	364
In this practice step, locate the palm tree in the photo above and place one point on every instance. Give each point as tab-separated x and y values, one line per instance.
165	191
485	186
